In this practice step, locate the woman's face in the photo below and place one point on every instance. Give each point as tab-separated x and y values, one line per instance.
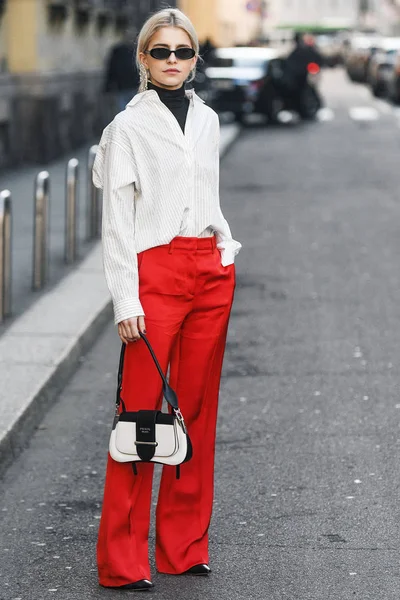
171	72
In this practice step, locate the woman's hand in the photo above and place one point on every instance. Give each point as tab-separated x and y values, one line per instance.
128	330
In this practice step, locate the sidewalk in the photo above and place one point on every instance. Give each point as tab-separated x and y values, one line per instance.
21	184
40	350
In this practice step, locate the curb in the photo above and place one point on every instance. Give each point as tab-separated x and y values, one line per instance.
18	435
42	349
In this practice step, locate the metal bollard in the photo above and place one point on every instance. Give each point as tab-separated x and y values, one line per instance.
41	230
71	210
5	254
93	209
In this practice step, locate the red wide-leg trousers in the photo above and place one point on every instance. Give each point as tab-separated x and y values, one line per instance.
187	296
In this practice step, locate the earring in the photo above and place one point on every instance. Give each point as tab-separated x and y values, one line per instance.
144	78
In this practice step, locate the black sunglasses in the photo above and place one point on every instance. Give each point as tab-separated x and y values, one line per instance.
164	53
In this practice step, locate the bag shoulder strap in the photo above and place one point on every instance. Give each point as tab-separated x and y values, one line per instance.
168	392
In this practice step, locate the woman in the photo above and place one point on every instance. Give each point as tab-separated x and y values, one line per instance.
168	258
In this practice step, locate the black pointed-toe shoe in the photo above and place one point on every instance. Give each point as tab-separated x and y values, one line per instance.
202	569
138	586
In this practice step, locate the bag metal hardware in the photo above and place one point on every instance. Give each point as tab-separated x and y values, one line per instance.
180	418
146	443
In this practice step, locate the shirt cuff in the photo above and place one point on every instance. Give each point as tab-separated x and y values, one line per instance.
228	249
127	309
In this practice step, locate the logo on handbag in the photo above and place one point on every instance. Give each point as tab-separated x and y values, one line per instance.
166	439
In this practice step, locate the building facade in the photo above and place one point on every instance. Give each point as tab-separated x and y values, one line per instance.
225	22
203	16
321	13
52	59
239	22
381	15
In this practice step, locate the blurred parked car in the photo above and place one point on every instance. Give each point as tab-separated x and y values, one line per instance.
329	46
236	77
359	53
393	80
201	82
202	86
382	64
254	80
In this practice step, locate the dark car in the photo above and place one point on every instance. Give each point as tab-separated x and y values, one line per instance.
393	80
202	86
359	53
382	66
201	83
329	46
236	77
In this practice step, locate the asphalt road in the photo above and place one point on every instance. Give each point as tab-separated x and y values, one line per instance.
307	479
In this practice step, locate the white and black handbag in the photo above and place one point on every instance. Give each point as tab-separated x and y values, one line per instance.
149	435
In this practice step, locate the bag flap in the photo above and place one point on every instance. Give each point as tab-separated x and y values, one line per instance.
166	437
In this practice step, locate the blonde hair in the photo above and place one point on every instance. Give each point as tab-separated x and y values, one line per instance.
167	17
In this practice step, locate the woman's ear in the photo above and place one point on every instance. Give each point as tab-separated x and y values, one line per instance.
143	59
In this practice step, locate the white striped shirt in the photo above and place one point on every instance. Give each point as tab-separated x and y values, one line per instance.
158	183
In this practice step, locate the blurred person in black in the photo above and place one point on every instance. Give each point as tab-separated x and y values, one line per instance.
297	64
206	50
122	77
304	53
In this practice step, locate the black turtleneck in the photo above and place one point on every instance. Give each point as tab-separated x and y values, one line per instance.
175	100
